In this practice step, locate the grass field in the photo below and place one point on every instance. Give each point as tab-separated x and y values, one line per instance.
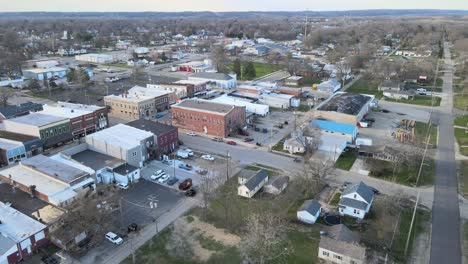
462	139
365	87
461	121
418	100
439	82
347	159
261	69
420	132
310	81
460	101
119	65
421	223
463	177
403	174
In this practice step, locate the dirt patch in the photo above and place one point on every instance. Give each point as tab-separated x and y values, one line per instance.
217	234
199	252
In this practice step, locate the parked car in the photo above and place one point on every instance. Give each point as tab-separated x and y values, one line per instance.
186	184
190	192
163	178
202	171
264	130
112	237
297	160
218	139
132	227
232	143
185	166
189	152
208	157
192	134
243	133
172	181
157	175
122	185
257	129
166	161
248	139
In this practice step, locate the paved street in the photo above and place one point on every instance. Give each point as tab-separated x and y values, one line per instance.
445	243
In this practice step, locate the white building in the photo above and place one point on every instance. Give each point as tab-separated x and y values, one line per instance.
340	245
330	86
95	58
221	80
277	100
123	142
251	182
356	200
258	109
45	73
309	211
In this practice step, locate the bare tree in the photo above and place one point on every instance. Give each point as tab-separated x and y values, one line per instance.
209	182
218	57
5	95
178	245
311	178
265	239
343	70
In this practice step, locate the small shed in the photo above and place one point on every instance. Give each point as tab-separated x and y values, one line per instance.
276	185
309	211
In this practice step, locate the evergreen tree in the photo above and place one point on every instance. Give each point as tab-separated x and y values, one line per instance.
249	71
71	75
34	85
237	67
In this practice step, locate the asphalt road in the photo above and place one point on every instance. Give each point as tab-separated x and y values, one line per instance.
445	242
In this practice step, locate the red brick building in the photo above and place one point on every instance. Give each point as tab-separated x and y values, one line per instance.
203	116
166	136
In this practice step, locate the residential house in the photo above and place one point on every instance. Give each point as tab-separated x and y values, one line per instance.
340	245
356	200
251	182
380	152
12	111
20	235
309	211
389	85
276	185
398	95
330	86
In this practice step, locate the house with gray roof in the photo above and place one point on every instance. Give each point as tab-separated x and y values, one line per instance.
309	211
222	80
276	185
356	200
250	186
341	245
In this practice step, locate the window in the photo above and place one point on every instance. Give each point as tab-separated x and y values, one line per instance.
325	253
355	196
134	153
338	257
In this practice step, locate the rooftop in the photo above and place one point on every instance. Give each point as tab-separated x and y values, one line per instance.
311	206
40	70
295	78
194	82
212	76
150	126
7	144
255	180
17	226
362	189
15	110
279	181
84	107
63	112
345	103
53	168
205	105
96	160
119	135
124	169
36	119
16	137
138	93
343	241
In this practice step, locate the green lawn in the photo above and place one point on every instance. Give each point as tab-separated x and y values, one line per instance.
119	65
347	159
460	101
255	167
418	100
365	87
404	175
420	132
463	177
261	69
461	121
335	200
309	81
462	139
420	225
439	82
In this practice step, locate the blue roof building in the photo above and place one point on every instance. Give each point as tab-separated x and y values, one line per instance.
334	127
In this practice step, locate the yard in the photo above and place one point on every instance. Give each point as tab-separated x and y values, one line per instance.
420	133
460	101
261	69
461	121
120	65
439	82
461	136
463	177
365	87
400	173
425	100
335	200
309	81
347	159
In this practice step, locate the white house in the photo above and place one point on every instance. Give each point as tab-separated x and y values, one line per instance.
251	182
340	245
222	80
356	200
309	212
276	185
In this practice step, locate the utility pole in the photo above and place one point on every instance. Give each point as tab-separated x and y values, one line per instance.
411	226
227	165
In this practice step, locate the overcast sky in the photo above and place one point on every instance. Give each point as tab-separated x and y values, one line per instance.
224	5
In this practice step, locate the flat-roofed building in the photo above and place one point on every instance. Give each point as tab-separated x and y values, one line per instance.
32	145
138	102
52	130
49	180
207	117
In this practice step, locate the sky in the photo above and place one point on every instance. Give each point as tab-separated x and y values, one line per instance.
223	5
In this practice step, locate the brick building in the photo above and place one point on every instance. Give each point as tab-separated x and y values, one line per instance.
166	136
198	86
203	116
